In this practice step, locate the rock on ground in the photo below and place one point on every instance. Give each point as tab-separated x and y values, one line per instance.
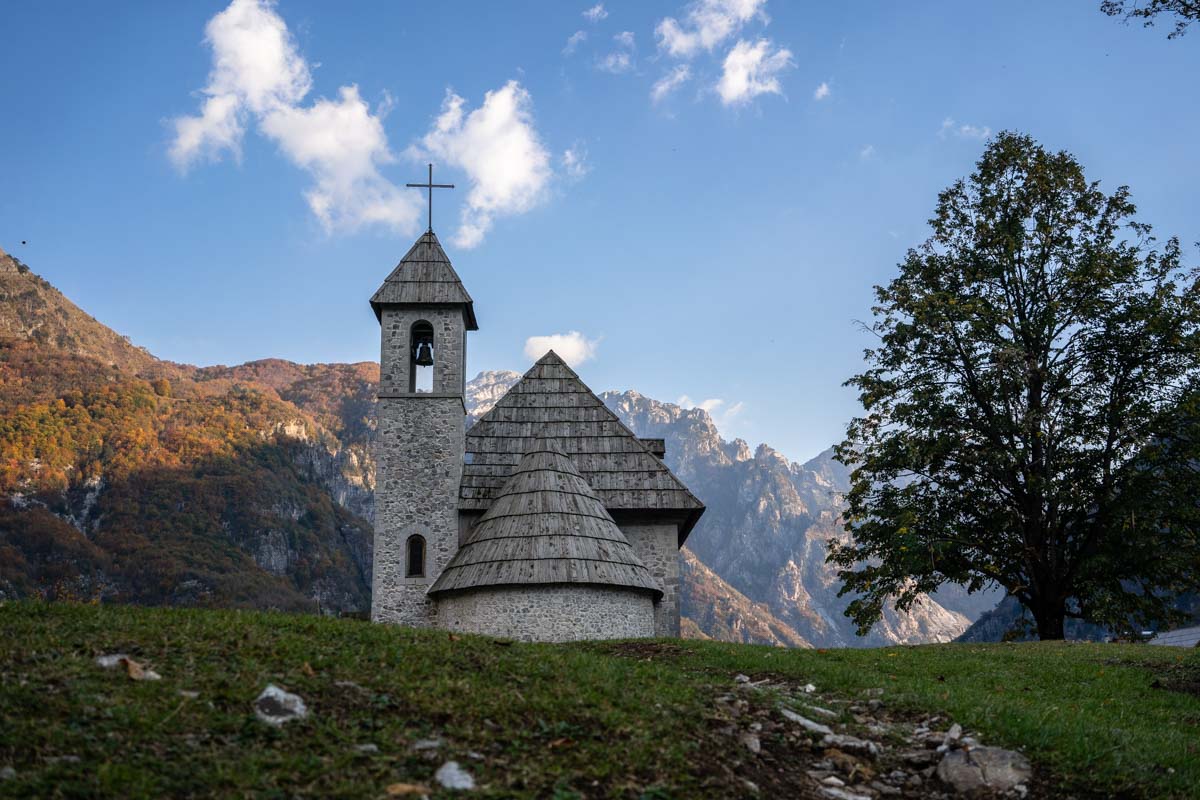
452	776
984	768
275	706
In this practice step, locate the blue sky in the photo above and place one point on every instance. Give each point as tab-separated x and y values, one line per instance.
714	240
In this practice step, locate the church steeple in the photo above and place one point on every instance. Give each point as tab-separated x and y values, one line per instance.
424	315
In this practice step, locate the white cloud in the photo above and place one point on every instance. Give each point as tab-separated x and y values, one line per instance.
573	41
867	153
751	70
706	23
341	143
822	91
670	82
256	68
499	148
620	60
258	72
574	161
595	13
963	131
721	412
615	62
573	347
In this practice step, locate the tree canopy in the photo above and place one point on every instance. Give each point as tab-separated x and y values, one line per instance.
1185	12
1030	412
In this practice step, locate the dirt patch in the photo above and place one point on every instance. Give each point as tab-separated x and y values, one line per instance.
1182	678
644	651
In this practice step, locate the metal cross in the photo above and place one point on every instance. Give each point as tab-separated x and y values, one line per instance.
431	186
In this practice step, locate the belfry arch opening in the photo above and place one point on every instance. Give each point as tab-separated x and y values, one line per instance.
421	358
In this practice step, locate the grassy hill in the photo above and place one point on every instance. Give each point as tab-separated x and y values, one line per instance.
649	719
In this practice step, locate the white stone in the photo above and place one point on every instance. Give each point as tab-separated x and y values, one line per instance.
452	776
842	794
805	722
851	744
276	707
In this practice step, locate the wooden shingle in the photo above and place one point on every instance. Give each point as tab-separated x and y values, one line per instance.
545	525
425	276
551	401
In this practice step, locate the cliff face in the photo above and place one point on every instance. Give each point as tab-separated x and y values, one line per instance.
133	479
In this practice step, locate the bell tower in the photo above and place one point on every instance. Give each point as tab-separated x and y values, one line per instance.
424	314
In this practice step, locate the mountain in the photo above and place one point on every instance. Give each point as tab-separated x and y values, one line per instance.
715	610
137	480
132	479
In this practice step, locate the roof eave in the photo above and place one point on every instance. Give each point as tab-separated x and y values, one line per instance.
468	310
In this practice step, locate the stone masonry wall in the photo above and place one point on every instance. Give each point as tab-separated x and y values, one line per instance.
419	459
550	612
658	548
449	348
419	449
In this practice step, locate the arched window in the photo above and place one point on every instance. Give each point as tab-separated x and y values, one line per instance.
420	358
415	562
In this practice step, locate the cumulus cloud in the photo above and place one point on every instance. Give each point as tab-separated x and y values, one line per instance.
822	91
341	143
751	70
573	41
963	131
670	82
256	69
595	13
574	161
867	153
259	74
573	347
706	24
501	152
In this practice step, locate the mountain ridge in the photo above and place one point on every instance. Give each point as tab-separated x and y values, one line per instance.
118	466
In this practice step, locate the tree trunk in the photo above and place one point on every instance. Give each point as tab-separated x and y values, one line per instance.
1051	619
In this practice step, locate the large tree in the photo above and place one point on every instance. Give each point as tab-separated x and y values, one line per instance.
1029	418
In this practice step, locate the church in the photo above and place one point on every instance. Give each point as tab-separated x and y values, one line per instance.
547	520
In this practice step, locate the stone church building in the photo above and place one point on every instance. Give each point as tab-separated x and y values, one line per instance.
547	520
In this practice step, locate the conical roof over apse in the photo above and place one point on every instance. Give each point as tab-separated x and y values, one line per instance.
546	526
424	277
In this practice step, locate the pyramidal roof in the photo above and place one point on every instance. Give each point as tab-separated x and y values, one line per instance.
551	401
545	526
425	276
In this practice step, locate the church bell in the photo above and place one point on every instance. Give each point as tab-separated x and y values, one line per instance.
424	354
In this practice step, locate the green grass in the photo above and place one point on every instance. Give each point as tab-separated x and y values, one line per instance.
598	719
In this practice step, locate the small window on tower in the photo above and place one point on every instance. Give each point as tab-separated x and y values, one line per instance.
416	557
421	358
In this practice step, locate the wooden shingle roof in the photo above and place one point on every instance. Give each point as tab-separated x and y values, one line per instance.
424	277
545	526
551	401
